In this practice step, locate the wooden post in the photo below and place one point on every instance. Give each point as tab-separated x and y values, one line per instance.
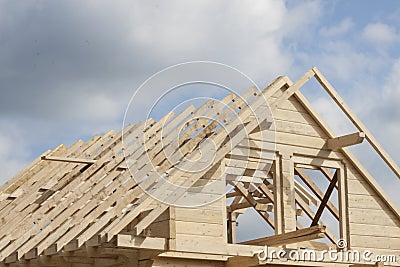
343	207
288	193
278	212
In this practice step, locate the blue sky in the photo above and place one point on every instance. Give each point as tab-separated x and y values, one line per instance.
68	68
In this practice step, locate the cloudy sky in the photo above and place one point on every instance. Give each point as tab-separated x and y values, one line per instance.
68	68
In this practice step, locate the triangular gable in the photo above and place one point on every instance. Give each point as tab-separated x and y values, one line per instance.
373	218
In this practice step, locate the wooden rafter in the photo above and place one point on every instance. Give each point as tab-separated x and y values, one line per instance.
356	121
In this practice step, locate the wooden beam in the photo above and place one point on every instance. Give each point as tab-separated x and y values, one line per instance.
305	194
247	195
70	160
325	199
277	196
345	140
311	233
288	192
352	116
344	228
261	204
293	89
221	153
140	242
353	160
314	188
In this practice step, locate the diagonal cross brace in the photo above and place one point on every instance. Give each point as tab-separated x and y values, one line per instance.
325	200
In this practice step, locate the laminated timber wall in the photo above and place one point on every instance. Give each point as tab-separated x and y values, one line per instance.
79	206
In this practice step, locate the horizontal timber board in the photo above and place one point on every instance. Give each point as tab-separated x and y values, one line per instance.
199	215
199	229
373	217
294	116
392	243
359	187
205	244
374	230
298	128
363	202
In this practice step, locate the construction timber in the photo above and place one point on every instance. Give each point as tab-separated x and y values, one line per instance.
82	206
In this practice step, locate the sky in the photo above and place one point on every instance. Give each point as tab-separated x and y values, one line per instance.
69	68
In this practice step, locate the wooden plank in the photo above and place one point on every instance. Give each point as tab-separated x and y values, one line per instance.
294	116
142	242
197	256
374	230
202	244
341	175
201	229
372	217
392	243
292	89
288	193
350	156
362	202
298	128
345	140
33	165
302	192
310	214
70	160
360	187
311	233
318	192
352	116
262	204
325	199
247	195
244	112
82	213
201	216
44	221
318	162
278	199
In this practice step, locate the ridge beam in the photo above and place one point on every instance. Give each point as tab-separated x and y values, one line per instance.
345	140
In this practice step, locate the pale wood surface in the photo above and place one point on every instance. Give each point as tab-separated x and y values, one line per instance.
79	205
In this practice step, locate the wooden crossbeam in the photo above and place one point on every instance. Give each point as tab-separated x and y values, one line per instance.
325	199
306	234
345	140
70	160
262	204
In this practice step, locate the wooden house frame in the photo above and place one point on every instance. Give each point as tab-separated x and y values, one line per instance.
80	206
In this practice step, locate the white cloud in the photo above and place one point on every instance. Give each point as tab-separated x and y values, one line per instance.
380	33
343	61
71	72
243	35
14	153
340	29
